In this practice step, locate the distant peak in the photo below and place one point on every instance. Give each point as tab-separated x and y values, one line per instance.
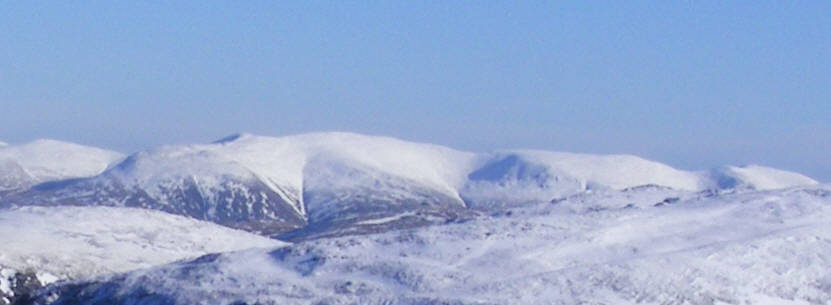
58	148
233	138
3	144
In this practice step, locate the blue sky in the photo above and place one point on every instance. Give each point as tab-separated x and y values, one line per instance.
694	84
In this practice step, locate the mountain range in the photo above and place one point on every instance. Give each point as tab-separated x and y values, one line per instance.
343	218
322	184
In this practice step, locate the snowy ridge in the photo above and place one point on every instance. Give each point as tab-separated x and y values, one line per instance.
739	248
283	160
49	160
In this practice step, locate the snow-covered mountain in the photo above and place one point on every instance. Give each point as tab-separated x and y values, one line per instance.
384	221
323	184
25	165
58	243
757	177
273	185
748	247
510	178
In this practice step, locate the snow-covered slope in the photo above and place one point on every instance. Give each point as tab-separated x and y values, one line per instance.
324	184
40	161
706	248
535	176
56	243
758	178
283	160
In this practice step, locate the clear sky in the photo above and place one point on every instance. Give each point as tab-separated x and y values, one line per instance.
694	84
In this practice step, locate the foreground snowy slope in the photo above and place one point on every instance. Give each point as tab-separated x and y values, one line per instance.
24	165
328	184
666	247
55	243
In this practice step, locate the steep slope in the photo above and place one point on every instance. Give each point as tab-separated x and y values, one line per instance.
738	248
358	184
22	166
186	180
316	166
56	243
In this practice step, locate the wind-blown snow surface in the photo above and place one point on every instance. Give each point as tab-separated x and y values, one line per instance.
647	245
48	160
80	242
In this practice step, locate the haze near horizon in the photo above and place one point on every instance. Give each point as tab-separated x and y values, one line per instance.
693	85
